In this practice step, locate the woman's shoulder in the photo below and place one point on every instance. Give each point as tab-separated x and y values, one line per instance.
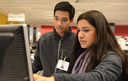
113	58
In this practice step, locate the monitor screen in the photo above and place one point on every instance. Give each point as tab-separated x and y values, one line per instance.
15	60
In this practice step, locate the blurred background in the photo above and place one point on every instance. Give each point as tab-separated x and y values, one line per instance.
38	15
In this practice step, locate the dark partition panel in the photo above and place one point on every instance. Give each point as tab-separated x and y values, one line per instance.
34	35
112	25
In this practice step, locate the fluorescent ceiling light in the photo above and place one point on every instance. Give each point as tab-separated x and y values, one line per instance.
125	13
25	7
102	3
50	15
48	12
122	4
80	3
14	7
23	2
79	12
120	18
5	1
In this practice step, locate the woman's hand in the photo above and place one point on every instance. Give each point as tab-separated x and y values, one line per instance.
41	78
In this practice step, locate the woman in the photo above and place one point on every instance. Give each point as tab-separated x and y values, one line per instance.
97	55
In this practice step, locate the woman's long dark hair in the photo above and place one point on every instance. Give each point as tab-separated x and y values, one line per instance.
105	40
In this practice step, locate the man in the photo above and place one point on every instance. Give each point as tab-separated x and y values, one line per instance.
54	48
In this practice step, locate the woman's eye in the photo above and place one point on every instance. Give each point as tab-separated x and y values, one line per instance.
86	30
78	30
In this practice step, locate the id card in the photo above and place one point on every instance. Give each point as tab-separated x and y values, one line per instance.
62	65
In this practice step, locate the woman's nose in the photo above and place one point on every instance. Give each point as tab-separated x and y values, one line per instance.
80	34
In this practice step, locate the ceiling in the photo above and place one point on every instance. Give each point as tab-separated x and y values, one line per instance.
40	12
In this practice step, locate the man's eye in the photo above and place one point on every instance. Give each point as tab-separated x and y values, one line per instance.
56	18
64	20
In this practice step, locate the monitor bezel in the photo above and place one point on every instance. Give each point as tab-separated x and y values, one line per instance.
26	40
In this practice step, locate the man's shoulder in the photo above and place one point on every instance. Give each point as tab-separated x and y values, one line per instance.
46	35
73	34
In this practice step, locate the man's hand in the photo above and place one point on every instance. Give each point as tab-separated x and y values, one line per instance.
41	78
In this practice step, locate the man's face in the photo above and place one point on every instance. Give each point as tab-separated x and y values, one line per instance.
61	22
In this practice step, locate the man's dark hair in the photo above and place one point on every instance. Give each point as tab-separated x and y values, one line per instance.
65	6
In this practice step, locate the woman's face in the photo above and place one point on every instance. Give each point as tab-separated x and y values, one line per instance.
86	33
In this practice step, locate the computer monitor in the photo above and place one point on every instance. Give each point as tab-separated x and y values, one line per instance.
15	60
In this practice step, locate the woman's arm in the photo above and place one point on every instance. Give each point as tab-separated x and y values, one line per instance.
110	69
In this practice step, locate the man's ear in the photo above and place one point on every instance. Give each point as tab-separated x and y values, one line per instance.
72	21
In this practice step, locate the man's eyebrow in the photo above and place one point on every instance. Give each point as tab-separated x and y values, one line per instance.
64	18
55	16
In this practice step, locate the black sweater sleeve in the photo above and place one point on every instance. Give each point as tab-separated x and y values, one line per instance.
36	65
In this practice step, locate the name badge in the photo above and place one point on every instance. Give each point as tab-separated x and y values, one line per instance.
63	65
